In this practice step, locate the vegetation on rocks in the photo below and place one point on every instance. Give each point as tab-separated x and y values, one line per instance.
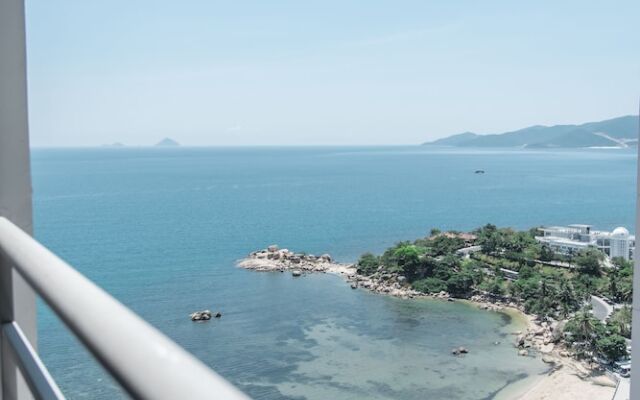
512	265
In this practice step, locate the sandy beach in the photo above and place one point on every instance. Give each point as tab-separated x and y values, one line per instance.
562	383
568	379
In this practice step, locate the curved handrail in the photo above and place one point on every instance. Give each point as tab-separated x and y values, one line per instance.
144	361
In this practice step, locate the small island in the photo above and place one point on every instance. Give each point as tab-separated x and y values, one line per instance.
501	269
167	142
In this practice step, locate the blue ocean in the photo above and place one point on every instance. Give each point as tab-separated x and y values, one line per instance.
161	230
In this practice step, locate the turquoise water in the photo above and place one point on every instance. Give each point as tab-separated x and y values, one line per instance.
161	229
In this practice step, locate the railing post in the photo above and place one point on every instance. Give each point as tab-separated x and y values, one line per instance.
17	300
635	306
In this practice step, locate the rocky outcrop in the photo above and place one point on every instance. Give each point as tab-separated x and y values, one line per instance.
459	351
275	259
202	315
384	282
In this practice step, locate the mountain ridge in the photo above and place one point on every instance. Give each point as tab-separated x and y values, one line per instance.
618	132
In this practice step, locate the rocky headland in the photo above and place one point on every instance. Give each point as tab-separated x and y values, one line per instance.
541	336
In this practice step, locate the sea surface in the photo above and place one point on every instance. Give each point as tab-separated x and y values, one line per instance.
161	230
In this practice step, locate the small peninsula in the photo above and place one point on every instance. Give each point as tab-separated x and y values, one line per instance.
502	270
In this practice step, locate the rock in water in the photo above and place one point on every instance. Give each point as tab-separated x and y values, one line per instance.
296	272
354	285
218	314
523	353
201	315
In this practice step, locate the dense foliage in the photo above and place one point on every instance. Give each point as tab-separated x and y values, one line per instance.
588	336
514	265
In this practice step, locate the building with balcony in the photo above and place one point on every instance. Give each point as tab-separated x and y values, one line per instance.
573	238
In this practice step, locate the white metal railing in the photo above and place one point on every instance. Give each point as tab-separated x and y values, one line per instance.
144	361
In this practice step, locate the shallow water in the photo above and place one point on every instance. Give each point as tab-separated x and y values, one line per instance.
161	229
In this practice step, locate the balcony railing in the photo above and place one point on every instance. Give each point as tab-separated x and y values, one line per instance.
146	363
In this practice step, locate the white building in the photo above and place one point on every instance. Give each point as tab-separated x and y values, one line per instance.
573	238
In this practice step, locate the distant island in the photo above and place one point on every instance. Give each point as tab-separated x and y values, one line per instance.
167	142
618	132
115	144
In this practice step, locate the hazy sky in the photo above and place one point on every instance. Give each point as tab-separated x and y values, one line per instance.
323	72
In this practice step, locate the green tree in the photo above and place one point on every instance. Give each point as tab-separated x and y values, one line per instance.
588	261
489	239
368	264
613	347
567	298
430	285
494	286
584	330
460	284
620	322
407	259
546	254
613	284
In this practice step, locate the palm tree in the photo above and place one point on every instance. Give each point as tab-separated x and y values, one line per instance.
613	284
567	298
585	329
620	322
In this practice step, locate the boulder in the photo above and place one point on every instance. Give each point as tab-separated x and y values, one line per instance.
272	249
296	272
326	257
218	314
354	285
547	359
200	315
523	353
603	380
558	331
463	350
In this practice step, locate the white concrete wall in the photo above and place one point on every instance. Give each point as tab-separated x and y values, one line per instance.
17	300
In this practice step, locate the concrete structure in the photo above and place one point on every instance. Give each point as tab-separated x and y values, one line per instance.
17	300
573	238
635	350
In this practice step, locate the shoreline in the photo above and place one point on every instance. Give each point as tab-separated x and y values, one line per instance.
567	378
